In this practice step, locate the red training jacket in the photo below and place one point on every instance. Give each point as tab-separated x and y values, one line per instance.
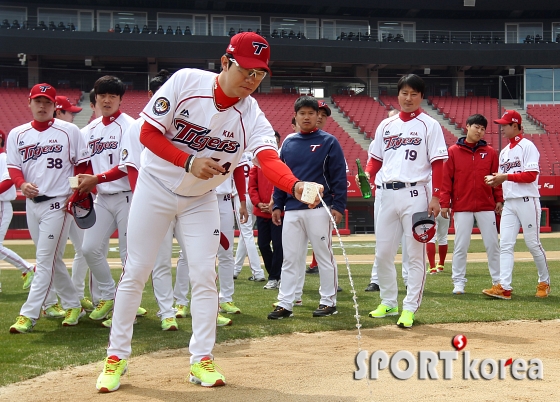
464	189
260	190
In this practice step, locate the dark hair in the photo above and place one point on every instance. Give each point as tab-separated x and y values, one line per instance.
294	120
229	57
109	84
159	80
518	125
306	101
412	81
277	134
92	96
61	110
477	119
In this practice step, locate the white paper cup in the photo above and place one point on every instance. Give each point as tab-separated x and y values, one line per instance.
310	191
73	182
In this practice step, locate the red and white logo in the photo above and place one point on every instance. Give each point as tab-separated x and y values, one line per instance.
259	46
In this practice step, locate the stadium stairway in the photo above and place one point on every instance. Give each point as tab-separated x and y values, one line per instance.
528	125
353	132
439	117
83	118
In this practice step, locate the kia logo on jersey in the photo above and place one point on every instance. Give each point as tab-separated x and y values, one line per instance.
398	141
197	138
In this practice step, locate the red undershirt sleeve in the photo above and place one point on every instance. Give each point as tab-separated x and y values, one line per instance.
152	139
6	185
373	166
83	168
522	177
437	177
17	177
111	175
239	179
132	176
276	171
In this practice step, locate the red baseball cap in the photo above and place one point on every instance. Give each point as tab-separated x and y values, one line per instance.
63	103
323	105
250	50
80	206
46	90
510	116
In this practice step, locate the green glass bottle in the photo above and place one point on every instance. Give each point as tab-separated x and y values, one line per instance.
365	188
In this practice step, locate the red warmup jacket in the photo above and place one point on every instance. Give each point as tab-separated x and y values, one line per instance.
464	189
260	190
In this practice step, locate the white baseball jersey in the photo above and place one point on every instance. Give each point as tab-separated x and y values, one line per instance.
9	194
407	148
104	143
47	157
131	147
183	109
523	157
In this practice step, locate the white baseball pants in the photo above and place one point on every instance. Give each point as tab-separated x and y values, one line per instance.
299	227
486	221
6	213
246	244
182	284
49	231
225	256
197	229
111	212
521	212
393	221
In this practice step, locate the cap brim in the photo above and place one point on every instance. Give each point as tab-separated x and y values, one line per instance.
85	218
74	109
251	62
44	96
502	121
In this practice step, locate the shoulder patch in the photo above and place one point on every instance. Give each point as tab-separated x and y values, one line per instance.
161	106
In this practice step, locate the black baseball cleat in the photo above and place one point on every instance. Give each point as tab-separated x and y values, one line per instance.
373	287
324	311
279	313
312	270
339	289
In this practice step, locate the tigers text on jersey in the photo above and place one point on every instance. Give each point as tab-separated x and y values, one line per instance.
104	143
523	157
131	147
9	194
47	158
183	109
407	148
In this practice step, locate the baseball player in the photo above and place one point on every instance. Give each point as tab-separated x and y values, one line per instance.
66	111
197	127
42	155
246	244
378	192
7	194
161	275
470	161
260	191
316	155
518	174
406	149
104	136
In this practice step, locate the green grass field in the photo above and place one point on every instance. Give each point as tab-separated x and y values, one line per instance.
50	346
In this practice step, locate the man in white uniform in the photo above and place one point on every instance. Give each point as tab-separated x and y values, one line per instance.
197	127
519	177
42	155
406	148
104	136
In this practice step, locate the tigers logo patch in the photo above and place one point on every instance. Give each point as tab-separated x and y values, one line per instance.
161	106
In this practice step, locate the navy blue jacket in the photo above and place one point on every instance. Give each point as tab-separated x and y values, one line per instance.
315	157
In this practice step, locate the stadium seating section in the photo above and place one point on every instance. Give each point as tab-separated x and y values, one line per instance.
362	111
546	116
458	109
14	103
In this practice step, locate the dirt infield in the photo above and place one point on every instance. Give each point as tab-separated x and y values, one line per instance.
320	366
